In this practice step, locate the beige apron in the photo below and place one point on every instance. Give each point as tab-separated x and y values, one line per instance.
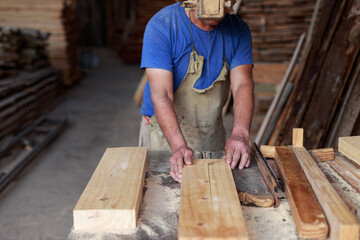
199	111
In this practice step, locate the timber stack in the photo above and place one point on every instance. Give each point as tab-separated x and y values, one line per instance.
26	97
276	26
22	49
55	17
326	93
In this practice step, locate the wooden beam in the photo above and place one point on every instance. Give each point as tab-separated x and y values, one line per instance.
350	147
324	154
308	216
209	206
343	225
110	201
298	137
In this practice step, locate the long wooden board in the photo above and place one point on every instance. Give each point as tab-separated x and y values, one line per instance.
343	225
209	206
350	147
307	213
110	201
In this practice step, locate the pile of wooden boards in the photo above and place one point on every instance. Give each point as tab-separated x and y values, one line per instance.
326	92
276	26
26	97
22	49
56	17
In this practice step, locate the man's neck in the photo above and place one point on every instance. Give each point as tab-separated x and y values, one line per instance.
198	22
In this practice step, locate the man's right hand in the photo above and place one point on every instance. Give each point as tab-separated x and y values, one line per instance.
180	155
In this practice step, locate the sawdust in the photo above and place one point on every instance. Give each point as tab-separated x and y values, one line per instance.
270	223
160	206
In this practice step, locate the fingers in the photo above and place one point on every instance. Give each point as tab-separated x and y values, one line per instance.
245	161
229	155
236	158
188	157
174	172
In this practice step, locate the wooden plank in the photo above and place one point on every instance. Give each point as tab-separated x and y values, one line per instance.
324	154
110	201
308	216
335	184
345	174
343	161
298	137
350	147
209	206
265	172
343	225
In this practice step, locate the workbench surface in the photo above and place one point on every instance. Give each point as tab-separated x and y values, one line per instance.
159	210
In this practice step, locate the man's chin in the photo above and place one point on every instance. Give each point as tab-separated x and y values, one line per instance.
212	22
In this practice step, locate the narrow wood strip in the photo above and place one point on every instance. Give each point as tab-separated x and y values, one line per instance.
298	137
265	172
350	147
346	175
209	206
343	225
348	165
110	201
308	216
335	185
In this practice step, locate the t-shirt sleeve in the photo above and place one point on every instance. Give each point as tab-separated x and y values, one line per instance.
156	51
243	52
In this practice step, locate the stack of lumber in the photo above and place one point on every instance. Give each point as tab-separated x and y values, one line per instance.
22	49
25	97
326	91
276	26
132	39
55	17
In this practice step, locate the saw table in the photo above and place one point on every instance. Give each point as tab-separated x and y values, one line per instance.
159	210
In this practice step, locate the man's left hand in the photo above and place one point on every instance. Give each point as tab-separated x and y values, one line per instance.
237	146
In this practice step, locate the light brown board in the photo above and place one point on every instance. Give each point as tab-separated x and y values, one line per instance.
308	216
343	225
324	154
350	147
209	206
110	201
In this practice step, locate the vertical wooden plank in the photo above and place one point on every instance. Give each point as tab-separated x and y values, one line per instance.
209	206
343	225
350	147
308	216
111	200
298	137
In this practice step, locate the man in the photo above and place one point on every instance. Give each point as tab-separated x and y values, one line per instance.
190	64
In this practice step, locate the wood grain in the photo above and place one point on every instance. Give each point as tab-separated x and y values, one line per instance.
350	147
268	151
298	137
110	201
324	154
346	175
209	207
308	216
343	225
343	161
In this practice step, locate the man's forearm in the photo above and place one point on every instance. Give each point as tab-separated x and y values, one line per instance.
243	109
166	117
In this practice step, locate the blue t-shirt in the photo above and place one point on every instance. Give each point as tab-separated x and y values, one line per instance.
167	45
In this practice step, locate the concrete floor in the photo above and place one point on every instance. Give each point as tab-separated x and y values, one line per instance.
101	114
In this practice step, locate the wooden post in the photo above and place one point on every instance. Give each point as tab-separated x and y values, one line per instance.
298	137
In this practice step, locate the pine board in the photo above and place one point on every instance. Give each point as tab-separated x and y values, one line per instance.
307	213
343	225
110	201
209	207
350	147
